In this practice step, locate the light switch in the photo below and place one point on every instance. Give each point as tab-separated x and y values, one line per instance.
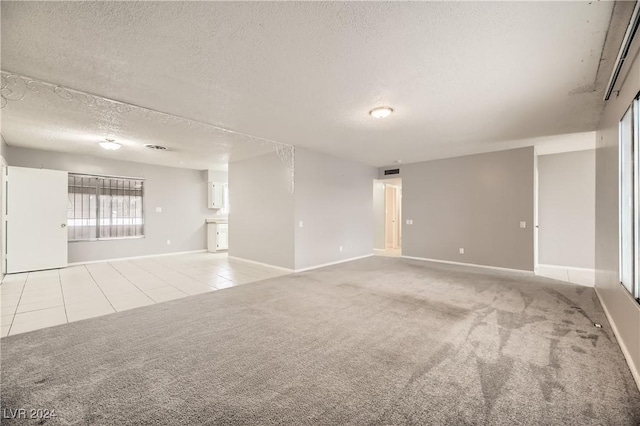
300	224
523	224
461	251
158	209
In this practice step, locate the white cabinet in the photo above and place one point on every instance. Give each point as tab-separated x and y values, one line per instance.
216	195
217	236
223	237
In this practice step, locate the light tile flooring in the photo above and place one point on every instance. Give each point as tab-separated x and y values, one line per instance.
34	300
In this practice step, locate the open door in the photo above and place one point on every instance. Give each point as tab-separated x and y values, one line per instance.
36	220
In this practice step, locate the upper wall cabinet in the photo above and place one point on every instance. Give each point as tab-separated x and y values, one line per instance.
216	195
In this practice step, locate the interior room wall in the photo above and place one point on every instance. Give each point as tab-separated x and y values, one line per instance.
216	176
378	214
3	161
474	202
180	193
261	211
334	202
566	209
623	311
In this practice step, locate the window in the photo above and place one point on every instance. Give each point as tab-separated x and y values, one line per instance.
102	207
629	162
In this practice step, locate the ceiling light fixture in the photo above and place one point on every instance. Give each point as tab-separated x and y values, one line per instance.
110	145
381	112
398	161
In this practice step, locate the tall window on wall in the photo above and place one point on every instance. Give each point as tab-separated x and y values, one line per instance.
629	163
102	207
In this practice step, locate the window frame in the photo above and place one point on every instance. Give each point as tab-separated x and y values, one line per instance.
634	110
101	178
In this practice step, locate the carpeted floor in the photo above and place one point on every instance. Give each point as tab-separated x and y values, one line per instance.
376	341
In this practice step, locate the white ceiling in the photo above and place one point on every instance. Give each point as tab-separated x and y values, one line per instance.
460	76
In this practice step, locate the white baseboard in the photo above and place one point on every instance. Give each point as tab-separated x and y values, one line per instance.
115	259
474	265
333	263
241	259
581	276
625	351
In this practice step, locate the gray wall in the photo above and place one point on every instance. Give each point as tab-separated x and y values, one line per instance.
624	311
378	215
334	200
474	202
180	192
566	209
261	211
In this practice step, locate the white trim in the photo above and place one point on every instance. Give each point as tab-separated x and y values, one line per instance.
333	263
474	265
567	270
625	351
88	262
261	263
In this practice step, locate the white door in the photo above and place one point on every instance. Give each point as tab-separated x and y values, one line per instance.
37	203
392	220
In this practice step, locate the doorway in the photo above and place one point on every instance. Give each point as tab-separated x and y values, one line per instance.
387	205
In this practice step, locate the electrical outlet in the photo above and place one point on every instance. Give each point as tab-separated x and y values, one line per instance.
158	209
168	242
300	224
340	248
523	224
461	250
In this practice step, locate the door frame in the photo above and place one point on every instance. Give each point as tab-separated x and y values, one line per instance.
535	212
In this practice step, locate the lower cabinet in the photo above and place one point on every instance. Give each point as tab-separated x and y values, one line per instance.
217	236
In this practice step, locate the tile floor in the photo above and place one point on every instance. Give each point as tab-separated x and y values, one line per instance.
34	300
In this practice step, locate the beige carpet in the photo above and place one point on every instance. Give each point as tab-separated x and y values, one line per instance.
376	341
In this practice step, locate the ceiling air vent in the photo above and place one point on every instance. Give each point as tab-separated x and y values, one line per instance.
156	147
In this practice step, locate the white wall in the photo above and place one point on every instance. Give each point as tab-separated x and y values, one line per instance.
475	202
622	309
334	201
261	215
181	194
566	209
378	214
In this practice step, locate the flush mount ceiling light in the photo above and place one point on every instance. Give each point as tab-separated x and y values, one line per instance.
110	145
381	112
156	147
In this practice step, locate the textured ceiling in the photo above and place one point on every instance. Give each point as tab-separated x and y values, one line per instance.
461	76
40	115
